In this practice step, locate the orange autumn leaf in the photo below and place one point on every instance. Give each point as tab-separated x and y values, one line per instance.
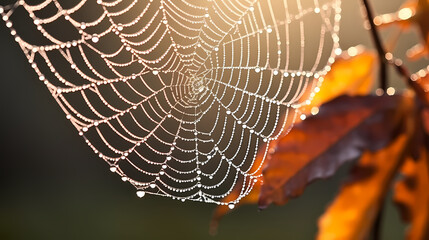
412	13
353	212
412	196
317	147
350	75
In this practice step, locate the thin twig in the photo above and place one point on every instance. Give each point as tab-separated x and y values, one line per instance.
376	228
378	45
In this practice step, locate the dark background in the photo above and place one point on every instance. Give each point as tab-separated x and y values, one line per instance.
54	187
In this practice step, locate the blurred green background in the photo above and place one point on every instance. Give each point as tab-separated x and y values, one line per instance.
54	187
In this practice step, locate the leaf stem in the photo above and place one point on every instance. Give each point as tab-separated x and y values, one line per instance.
378	45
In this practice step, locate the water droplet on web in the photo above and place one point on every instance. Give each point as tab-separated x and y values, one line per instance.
140	194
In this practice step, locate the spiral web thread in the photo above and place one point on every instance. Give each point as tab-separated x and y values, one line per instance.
178	97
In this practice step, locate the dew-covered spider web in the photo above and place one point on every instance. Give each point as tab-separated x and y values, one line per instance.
179	96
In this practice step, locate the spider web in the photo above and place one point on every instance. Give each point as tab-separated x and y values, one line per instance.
178	97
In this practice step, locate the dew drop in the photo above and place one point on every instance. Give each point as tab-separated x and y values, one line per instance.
140	194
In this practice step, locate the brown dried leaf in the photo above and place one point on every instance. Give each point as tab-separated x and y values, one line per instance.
318	146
